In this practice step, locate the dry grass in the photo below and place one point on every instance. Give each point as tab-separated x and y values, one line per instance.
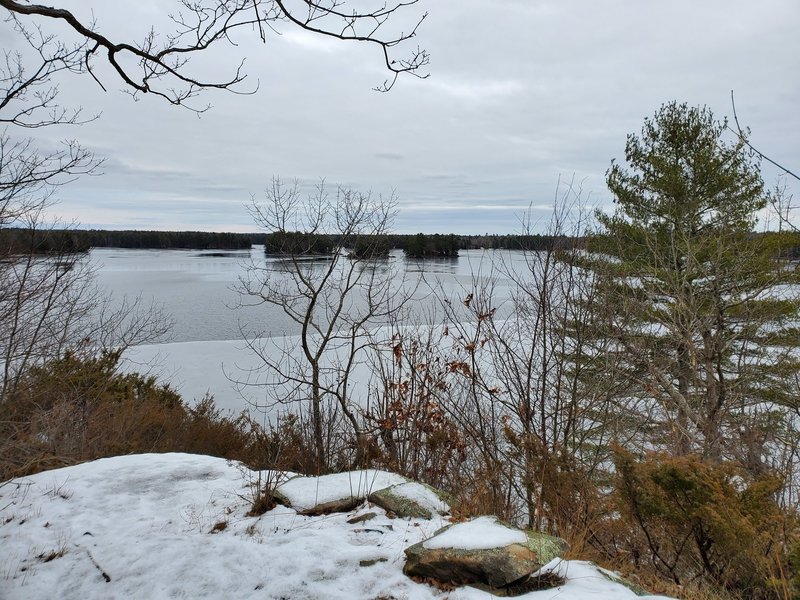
219	526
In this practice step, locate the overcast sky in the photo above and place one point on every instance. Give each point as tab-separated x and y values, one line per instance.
521	93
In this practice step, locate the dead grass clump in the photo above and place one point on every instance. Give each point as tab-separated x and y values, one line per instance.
46	557
219	526
263	499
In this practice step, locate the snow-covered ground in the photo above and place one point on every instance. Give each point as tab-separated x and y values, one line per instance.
175	526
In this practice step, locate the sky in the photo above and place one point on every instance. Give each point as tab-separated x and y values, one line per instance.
523	97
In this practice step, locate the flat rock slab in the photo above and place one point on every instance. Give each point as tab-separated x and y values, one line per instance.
339	492
411	500
482	551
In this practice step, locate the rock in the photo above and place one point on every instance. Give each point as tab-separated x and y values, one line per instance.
546	547
361	518
411	500
321	508
371	561
483	551
340	492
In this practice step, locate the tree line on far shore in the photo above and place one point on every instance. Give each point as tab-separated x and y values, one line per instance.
420	245
417	246
47	241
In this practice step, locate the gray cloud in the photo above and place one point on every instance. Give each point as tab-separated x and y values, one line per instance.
389	155
521	92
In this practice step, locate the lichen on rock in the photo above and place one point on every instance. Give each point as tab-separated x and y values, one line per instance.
411	500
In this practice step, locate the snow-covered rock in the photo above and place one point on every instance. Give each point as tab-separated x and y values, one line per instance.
411	500
482	551
338	492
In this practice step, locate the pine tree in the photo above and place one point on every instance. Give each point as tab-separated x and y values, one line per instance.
695	302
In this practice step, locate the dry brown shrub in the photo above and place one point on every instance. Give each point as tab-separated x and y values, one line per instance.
81	408
709	524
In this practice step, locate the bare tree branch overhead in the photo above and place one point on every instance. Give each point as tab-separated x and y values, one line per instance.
159	64
744	136
781	199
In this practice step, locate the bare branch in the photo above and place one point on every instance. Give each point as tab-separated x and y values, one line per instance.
743	136
164	69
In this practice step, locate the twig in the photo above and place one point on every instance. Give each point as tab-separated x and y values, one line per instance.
105	575
744	139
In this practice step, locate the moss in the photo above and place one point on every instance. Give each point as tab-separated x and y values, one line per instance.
546	547
401	506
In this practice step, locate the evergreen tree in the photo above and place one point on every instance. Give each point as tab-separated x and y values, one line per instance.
694	302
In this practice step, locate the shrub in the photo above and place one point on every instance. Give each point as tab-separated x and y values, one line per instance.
691	518
80	408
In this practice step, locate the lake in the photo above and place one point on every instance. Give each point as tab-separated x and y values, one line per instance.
198	287
206	351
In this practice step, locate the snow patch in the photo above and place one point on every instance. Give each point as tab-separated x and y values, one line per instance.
482	533
146	526
304	493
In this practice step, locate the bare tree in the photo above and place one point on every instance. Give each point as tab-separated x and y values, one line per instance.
50	305
327	272
539	423
160	63
43	297
48	302
496	397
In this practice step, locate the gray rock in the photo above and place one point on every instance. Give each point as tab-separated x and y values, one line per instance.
411	500
361	518
516	555
345	504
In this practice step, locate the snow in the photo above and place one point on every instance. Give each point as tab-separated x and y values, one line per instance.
482	533
196	368
146	522
585	581
230	371
304	493
235	376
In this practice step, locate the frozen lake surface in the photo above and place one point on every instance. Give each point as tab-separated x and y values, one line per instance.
206	351
198	287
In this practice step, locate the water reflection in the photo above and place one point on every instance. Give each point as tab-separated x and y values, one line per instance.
432	265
